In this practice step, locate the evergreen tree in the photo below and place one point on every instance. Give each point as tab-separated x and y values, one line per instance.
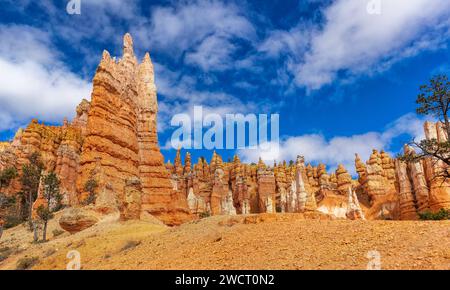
30	182
434	100
6	176
53	197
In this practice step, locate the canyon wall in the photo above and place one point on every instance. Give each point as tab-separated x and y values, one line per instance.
386	188
113	142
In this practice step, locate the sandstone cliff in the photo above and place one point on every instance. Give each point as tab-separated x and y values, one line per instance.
113	141
121	142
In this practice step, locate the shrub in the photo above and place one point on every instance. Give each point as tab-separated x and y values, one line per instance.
90	199
90	186
12	221
57	232
49	252
26	263
130	245
443	214
5	253
7	201
204	215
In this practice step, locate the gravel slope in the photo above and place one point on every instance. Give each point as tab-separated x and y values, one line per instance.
256	242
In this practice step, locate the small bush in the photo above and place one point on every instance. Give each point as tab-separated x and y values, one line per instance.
57	232
49	252
90	186
12	221
7	201
130	245
90	199
438	216
5	253
26	263
204	215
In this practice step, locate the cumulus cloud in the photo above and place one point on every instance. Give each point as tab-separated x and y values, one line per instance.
339	149
214	53
204	30
35	84
179	94
291	42
356	42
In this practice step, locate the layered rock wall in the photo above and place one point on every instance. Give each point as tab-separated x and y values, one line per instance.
113	141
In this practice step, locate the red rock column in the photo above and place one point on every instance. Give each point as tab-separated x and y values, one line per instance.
406	197
158	196
111	127
438	186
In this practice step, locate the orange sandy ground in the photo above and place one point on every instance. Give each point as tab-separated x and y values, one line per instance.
284	241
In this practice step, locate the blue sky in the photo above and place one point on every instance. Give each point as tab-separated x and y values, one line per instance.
342	79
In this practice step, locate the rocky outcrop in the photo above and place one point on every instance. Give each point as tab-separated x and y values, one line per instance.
40	202
113	143
75	220
80	121
386	188
59	147
354	211
376	183
421	187
344	179
121	136
306	200
439	186
130	205
406	195
266	189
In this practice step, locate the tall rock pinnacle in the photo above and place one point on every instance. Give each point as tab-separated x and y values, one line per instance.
121	135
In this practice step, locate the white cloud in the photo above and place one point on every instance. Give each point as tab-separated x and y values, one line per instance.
357	42
292	43
203	29
340	149
20	43
179	95
35	83
213	54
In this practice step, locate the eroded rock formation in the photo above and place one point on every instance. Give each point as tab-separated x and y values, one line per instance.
121	138
113	143
387	188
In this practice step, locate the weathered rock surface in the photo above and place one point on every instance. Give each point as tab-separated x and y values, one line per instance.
75	220
386	189
40	201
113	143
439	187
121	138
59	147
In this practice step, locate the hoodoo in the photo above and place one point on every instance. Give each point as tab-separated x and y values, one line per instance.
121	139
113	143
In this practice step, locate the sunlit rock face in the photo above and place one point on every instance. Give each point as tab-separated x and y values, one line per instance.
386	188
113	140
59	147
439	187
121	139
